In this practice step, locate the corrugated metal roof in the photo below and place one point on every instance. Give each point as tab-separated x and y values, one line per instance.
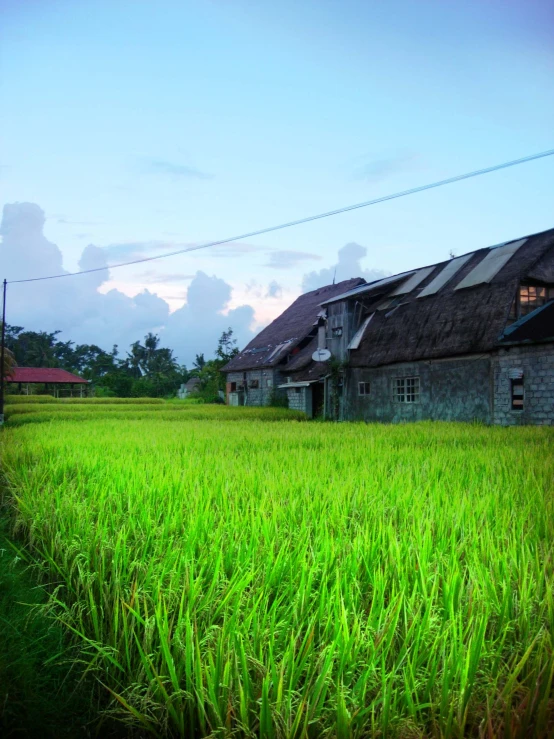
297	384
369	287
358	336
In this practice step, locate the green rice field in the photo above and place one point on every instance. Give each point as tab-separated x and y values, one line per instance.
293	579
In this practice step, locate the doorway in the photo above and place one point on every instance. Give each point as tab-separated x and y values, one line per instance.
318	395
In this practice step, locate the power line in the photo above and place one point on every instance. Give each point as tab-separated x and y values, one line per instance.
300	221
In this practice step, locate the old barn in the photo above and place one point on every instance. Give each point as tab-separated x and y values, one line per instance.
471	338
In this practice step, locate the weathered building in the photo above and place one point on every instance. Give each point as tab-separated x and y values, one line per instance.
188	388
254	375
471	338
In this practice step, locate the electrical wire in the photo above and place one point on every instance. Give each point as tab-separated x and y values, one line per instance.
290	224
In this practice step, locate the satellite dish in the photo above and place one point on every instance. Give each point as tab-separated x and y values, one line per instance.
321	355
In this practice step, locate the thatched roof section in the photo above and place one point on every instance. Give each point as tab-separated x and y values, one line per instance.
276	341
450	322
303	367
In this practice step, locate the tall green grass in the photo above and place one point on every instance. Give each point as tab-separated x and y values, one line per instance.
290	580
51	400
14	399
24	414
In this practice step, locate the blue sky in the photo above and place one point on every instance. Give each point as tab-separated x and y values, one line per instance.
137	126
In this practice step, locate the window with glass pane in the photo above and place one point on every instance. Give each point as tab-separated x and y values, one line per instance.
532	297
406	389
364	388
412	389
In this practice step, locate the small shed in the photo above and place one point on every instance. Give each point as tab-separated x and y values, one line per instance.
192	386
52	378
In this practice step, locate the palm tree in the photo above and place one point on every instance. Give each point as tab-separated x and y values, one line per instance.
135	359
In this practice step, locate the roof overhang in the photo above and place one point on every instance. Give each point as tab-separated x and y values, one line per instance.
298	384
385	282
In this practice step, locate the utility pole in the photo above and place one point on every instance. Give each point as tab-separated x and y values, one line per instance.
2	355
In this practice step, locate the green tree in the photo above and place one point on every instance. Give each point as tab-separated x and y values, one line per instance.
227	346
9	359
199	363
212	379
154	369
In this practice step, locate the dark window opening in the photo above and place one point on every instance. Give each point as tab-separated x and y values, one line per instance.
298	389
233	387
337	331
364	388
254	384
517	394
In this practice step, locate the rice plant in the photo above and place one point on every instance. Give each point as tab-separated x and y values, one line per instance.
51	400
298	580
13	399
24	414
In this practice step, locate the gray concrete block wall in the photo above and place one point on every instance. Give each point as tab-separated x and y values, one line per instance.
262	394
297	398
453	390
301	400
467	389
537	363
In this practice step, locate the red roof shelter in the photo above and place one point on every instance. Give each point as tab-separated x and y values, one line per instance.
46	376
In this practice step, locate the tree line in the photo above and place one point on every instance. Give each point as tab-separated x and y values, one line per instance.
146	369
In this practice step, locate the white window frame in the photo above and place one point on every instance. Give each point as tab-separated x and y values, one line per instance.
406	389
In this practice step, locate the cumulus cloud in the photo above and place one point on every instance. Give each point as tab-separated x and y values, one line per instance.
256	289
196	327
274	290
286	259
347	266
75	305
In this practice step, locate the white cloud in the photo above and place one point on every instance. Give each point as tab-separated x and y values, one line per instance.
88	308
196	327
86	314
274	290
347	266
